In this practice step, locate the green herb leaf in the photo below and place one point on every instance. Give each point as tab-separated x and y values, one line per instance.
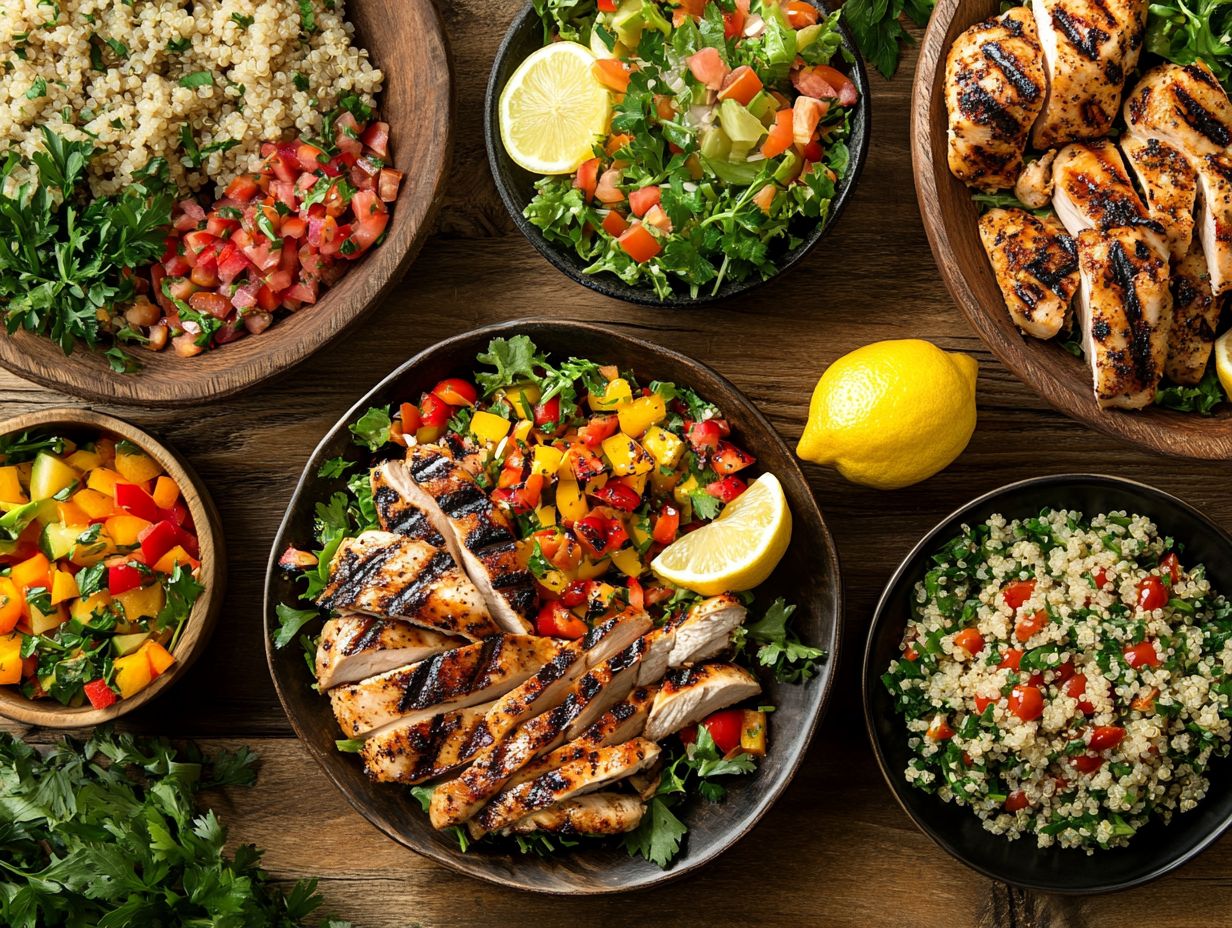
789	659
371	430
290	621
197	79
658	837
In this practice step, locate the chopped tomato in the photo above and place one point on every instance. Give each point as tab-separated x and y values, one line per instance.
983	702
547	413
587	178
612	73
741	85
608	190
1011	658
456	392
847	93
1087	763
1104	737
434	411
780	137
1171	565
728	459
724	728
642	199
409	414
1076	687
1018	592
376	137
639	244
555	621
607	6
970	640
704	435
1101	578
1015	801
733	22
939	729
1152	594
910	653
1028	625
1142	655
708	67
600	427
806	113
1026	702
614	224
764	198
810	84
726	489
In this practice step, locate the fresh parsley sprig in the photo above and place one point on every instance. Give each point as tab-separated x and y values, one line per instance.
779	649
877	26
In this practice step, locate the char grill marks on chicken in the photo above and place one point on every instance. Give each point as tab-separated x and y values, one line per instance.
1195	314
995	88
356	646
1168	185
1035	262
1092	190
413	751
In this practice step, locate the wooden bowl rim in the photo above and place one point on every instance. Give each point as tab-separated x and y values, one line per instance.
410	226
204	615
472	864
608	284
870	675
1156	428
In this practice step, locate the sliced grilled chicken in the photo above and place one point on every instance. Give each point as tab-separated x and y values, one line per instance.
398	514
1034	185
477	532
1092	190
1168	186
698	635
1195	314
457	679
596	770
413	751
356	646
1215	218
1183	105
1035	262
690	694
1126	311
1090	47
387	575
593	694
594	814
994	90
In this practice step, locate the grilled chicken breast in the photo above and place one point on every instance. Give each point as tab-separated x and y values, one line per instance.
356	646
699	634
415	750
1035	262
395	512
1168	186
387	575
597	769
690	694
1092	190
1089	47
1126	312
1195	315
1215	218
1034	185
994	90
593	814
456	679
477	532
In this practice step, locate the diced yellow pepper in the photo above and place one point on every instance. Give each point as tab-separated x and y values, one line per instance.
158	656
753	732
663	483
90	554
42	622
136	466
63	587
570	502
133	673
10	485
636	417
93	503
595	484
489	427
103	480
165	492
628	561
555	580
84	460
546	516
589	569
684	489
636	482
10	658
635	532
124	529
545	460
521	431
663	446
523	397
617	394
81	610
142	602
72	514
176	555
627	456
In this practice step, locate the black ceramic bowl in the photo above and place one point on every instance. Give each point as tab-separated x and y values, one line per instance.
807	576
517	186
1157	848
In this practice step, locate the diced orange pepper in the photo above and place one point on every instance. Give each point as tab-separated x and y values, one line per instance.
72	514
124	529
94	504
63	587
10	658
103	480
159	657
133	673
31	572
165	492
176	555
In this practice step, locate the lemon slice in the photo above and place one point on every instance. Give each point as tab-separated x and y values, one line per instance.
553	109
736	551
1223	361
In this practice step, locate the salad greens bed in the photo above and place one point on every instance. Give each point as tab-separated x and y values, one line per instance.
108	833
515	375
667	130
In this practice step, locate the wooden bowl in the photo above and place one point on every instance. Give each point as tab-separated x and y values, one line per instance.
950	218
406	41
808	576
1157	848
200	622
517	186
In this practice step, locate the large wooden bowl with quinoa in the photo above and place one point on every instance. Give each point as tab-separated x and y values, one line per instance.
121	81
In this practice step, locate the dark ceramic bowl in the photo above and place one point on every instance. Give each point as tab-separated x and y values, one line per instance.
807	576
1157	848
517	186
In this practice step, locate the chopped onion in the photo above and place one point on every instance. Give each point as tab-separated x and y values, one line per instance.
754	26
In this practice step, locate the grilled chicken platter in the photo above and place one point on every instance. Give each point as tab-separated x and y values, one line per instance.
1107	185
521	622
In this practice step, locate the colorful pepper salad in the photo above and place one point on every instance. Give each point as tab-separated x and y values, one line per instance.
727	140
98	565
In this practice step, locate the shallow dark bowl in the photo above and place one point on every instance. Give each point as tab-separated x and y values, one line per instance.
808	576
1157	848
517	186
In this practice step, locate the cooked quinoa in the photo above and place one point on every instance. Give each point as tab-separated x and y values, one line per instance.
149	79
1065	678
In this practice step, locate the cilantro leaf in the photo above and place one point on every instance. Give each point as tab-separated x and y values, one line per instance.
514	358
658	837
789	659
335	467
1201	398
290	621
182	590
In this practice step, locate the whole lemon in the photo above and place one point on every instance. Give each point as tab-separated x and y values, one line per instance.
892	413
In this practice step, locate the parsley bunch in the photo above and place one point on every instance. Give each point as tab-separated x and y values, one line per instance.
64	256
1184	31
878	28
107	834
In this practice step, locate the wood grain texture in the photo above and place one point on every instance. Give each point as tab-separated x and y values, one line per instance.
212	573
835	850
406	41
950	219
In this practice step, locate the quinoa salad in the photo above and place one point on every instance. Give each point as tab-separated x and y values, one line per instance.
1065	678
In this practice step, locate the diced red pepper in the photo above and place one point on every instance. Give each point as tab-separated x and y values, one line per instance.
555	621
726	489
99	693
136	501
434	412
618	496
575	594
666	525
548	413
704	435
121	578
157	539
728	459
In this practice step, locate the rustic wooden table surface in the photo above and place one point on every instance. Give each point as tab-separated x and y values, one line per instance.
836	850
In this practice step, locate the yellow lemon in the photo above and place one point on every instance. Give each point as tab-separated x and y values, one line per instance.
892	413
553	109
1223	361
738	550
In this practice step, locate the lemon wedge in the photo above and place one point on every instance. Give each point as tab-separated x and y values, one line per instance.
738	550
554	109
1223	361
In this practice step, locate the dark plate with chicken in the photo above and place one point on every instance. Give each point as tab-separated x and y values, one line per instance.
1093	157
556	608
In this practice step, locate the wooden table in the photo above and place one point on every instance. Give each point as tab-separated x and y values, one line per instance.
836	850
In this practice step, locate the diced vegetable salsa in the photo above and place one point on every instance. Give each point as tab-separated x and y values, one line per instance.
98	567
